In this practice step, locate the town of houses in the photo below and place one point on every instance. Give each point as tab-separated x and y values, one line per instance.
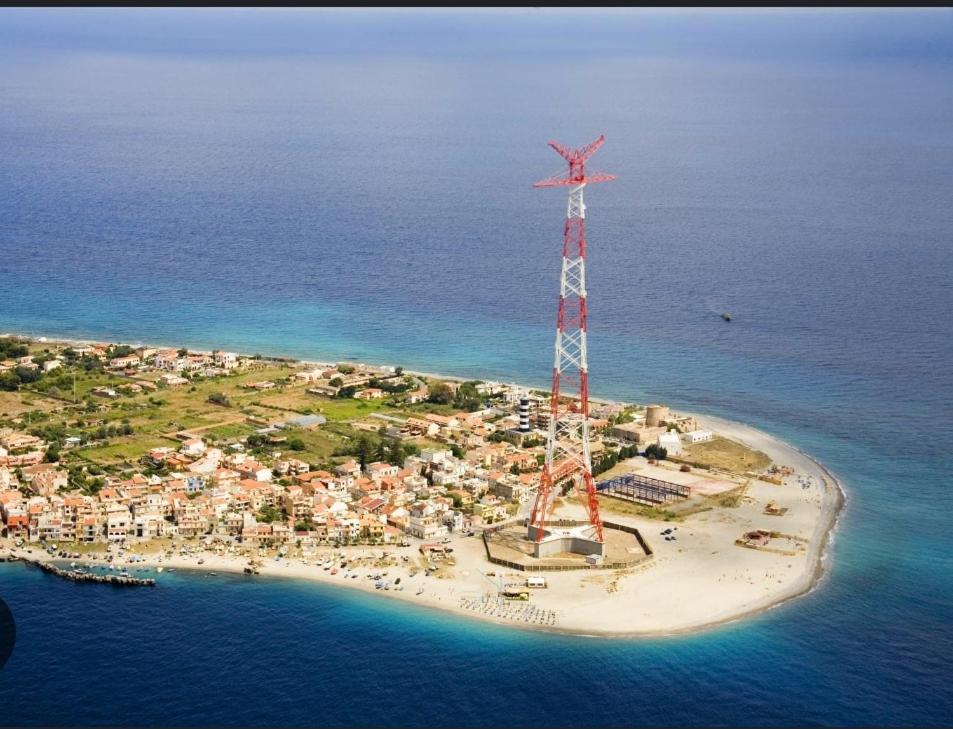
275	499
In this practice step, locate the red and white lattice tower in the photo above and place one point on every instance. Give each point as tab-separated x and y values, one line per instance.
567	444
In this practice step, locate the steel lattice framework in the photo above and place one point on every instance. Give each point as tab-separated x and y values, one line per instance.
567	444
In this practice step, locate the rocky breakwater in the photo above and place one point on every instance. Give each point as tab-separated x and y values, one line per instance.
82	576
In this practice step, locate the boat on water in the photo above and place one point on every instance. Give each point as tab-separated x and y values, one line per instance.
159	569
726	316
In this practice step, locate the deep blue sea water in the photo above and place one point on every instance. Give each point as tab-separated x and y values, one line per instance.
358	185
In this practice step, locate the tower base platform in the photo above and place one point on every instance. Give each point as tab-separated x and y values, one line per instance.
566	545
579	539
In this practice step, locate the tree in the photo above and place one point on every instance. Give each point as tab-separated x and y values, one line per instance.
268	514
335	382
183	352
296	444
396	452
91	364
12	348
364	447
27	375
219	398
119	350
399	371
467	397
656	451
345	369
441	394
52	454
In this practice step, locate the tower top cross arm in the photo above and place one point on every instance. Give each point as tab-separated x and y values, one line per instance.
577	165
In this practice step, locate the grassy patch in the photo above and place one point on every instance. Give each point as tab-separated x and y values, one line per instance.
13	404
228	432
618	506
345	408
130	448
319	444
726	454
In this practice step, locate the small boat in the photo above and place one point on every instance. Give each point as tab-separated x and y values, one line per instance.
726	316
420	591
159	569
211	574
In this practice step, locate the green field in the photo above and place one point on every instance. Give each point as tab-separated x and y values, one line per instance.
346	408
231	431
156	416
126	448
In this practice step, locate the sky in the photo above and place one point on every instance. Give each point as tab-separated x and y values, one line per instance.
857	34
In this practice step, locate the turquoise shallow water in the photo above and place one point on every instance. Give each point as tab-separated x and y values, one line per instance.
371	201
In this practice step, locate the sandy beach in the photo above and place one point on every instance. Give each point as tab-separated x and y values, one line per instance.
697	582
701	580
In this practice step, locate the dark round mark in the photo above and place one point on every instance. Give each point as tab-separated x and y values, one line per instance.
8	633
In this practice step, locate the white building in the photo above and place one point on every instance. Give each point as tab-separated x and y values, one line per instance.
193	447
697	436
423	522
226	360
670	442
118	523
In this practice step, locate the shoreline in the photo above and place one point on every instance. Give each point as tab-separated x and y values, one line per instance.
834	499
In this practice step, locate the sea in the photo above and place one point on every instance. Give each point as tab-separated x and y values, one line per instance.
357	185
